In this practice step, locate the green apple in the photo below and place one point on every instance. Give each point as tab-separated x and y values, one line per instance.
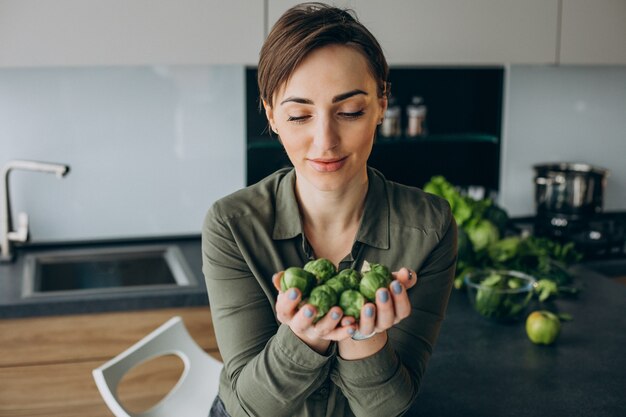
543	327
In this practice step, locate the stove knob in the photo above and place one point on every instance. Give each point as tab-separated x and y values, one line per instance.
595	235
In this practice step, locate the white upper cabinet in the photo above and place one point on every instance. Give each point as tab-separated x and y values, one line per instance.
125	32
593	32
476	32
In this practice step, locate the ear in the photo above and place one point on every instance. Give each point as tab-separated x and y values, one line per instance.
382	102
269	113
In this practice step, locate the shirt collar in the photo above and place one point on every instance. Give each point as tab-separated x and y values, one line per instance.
288	223
374	228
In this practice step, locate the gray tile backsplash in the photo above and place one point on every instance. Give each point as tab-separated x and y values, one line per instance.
570	114
150	148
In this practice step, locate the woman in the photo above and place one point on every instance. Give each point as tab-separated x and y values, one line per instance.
323	83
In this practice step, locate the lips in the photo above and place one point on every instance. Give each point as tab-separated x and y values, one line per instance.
327	164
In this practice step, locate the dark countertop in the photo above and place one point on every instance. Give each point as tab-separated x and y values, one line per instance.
482	368
13	304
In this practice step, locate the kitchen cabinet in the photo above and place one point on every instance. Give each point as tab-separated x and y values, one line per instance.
451	32
46	362
593	32
120	32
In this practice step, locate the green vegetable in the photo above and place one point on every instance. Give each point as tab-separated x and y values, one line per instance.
295	277
372	281
492	299
546	288
498	217
323	287
482	233
351	302
504	250
543	327
378	268
483	244
322	268
323	298
351	278
461	209
348	279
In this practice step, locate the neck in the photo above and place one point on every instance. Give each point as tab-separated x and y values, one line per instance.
331	218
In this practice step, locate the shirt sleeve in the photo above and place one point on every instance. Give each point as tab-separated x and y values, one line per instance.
269	369
387	383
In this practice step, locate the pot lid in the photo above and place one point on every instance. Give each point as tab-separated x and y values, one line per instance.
580	167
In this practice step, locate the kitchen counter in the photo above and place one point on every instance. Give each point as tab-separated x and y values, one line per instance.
479	367
482	368
14	304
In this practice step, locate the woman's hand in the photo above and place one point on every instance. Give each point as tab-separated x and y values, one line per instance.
333	326
392	306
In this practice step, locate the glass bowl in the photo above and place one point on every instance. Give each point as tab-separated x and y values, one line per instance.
500	295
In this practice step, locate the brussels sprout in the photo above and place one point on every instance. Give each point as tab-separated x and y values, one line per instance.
351	277
337	284
295	277
379	268
370	282
323	297
323	269
351	302
348	279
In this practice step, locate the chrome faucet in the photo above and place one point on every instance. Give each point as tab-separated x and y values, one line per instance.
21	234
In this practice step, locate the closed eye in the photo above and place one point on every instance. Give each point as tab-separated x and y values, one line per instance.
352	115
297	119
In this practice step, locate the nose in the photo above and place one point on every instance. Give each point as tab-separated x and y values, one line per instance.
326	135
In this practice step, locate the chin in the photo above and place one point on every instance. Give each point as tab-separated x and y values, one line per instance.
328	181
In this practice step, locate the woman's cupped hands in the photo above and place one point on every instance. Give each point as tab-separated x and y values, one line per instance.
391	306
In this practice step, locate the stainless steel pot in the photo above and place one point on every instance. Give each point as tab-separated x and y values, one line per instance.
569	189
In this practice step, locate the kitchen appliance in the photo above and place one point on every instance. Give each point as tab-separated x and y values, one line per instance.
569	208
569	200
598	236
569	189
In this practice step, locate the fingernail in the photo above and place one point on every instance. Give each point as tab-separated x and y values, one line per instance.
369	311
334	315
396	287
350	331
308	313
383	296
292	294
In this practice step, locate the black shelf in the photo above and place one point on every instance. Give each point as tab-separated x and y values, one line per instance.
463	119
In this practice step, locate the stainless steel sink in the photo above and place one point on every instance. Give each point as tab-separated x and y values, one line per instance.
113	269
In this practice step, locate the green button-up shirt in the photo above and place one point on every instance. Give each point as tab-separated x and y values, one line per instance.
268	371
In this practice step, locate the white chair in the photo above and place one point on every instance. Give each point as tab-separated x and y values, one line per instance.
192	395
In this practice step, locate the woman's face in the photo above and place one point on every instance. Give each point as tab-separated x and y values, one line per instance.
326	116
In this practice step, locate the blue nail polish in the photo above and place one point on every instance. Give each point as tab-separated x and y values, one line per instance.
292	294
334	315
383	296
308	313
396	287
350	331
369	311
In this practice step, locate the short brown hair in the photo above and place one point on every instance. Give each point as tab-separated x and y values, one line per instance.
308	26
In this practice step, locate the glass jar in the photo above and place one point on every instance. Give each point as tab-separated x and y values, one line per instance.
416	118
391	126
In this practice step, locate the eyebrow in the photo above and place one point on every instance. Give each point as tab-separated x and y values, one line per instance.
336	99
